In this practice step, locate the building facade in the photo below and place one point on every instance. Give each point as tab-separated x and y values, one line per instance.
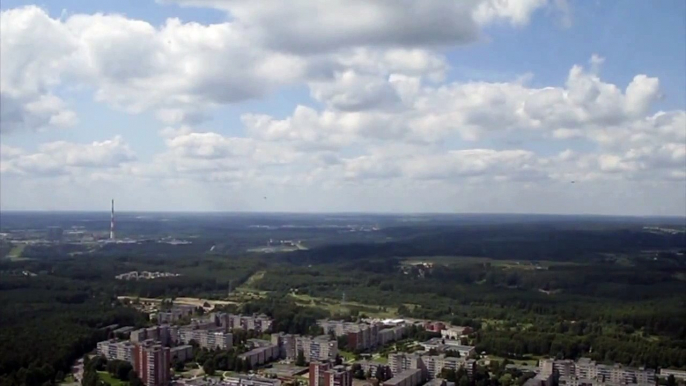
586	371
411	377
113	350
319	348
152	363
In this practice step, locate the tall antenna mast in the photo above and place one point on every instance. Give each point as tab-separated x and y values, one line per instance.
112	222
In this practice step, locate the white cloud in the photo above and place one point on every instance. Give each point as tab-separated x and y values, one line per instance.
35	52
61	157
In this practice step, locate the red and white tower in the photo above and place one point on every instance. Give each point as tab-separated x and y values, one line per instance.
112	222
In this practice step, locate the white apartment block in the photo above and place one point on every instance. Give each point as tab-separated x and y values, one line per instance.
111	349
207	338
588	372
431	365
320	348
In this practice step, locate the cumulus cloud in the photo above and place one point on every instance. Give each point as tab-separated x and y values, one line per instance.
61	157
180	70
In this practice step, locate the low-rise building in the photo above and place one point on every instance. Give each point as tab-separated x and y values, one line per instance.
249	381
443	345
455	332
411	377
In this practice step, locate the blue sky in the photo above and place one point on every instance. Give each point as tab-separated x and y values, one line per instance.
483	111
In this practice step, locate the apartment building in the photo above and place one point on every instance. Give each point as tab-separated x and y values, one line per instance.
165	334
174	314
319	348
586	370
678	374
111	349
152	363
182	353
392	334
316	374
261	355
338	376
539	380
431	365
370	366
209	339
564	368
325	374
260	323
360	336
411	377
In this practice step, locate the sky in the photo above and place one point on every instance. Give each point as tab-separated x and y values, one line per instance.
470	106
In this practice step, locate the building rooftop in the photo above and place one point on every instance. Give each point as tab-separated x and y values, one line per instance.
402	376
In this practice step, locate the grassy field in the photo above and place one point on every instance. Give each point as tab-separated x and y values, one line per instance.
106	377
15	253
532	361
338	307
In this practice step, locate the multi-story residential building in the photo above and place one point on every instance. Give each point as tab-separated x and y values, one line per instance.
111	349
182	353
410	377
164	334
338	376
678	374
316	374
392	334
539	380
586	371
320	348
360	336
210	339
325	374
260	323
431	365
249	381
287	345
261	355
399	362
174	314
152	363
370	366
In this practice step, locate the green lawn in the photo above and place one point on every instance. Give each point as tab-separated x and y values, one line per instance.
346	355
106	377
15	253
336	307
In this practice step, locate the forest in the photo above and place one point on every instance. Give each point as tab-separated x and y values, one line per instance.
614	293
